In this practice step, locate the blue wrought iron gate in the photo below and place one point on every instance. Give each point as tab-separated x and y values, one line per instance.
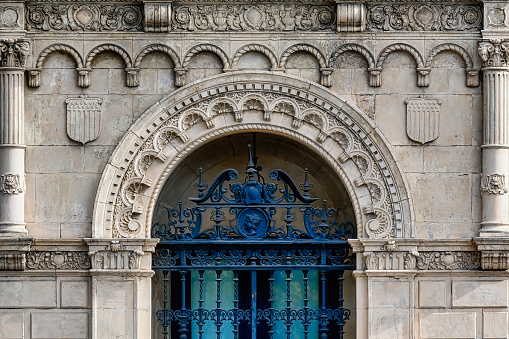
248	276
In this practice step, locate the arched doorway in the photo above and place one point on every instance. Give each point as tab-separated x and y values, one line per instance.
282	274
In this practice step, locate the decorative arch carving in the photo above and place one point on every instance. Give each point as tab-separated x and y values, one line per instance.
325	72
422	71
132	79
305	48
126	199
34	75
255	48
206	48
374	72
157	48
472	74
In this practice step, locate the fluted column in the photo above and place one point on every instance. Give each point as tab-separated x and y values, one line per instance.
13	55
495	148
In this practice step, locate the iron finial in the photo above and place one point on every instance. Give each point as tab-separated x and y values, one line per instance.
306	186
200	186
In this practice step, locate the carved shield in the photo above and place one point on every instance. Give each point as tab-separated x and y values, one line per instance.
83	118
423	118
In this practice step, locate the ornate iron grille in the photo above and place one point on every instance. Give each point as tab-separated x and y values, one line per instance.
248	276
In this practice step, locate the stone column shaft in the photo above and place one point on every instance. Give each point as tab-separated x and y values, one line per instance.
13	56
495	148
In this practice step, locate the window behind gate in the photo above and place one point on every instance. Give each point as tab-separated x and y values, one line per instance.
252	259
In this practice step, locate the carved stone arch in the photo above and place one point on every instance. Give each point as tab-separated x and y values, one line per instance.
472	74
286	106
422	71
374	72
34	75
132	79
220	106
253	102
303	48
193	117
115	216
157	48
315	117
325	72
254	48
206	48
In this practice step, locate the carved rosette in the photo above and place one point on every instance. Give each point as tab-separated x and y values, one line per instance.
61	260
449	260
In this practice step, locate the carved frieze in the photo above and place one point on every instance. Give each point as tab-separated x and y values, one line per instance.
83	118
424	17
494	53
11	17
449	260
116	256
491	260
423	119
405	260
13	53
12	261
494	184
11	184
262	17
62	260
84	17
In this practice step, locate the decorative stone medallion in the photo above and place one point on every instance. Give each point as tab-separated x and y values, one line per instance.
11	184
423	119
83	118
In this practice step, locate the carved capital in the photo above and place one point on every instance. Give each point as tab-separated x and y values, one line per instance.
34	77
494	53
392	260
423	77
120	255
84	77
14	53
326	76
133	79
375	77
180	76
12	184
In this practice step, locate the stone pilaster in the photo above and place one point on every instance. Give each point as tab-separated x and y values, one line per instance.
495	163
121	287
13	56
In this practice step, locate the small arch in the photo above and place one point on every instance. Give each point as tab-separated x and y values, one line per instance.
108	47
305	48
60	48
452	48
157	48
209	48
191	118
400	47
353	48
254	48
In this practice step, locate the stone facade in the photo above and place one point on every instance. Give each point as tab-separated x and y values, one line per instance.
399	109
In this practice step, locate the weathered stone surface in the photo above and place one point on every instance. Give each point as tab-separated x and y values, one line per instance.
74	294
432	294
59	325
11	324
481	293
495	325
28	293
448	325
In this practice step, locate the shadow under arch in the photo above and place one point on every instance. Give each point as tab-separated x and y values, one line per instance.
156	143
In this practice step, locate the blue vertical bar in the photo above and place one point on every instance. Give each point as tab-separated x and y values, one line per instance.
323	309
165	304
254	293
183	315
288	322
218	304
235	305
306	304
341	302
271	309
200	305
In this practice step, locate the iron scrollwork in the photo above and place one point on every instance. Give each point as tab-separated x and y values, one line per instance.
254	205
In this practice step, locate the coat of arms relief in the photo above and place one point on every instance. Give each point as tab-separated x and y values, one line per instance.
423	119
83	118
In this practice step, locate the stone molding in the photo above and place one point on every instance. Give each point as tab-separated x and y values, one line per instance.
424	17
13	53
278	63
142	163
494	252
157	17
58	260
13	253
114	254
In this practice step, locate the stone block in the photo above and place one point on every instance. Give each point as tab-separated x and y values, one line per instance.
461	325
11	324
33	293
54	159
115	294
495	325
389	323
480	293
75	230
165	82
57	325
432	294
74	294
461	159
457	207
395	293
96	157
410	158
43	230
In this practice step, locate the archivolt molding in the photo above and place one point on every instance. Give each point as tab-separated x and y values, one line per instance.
472	74
326	68
336	131
34	75
255	48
